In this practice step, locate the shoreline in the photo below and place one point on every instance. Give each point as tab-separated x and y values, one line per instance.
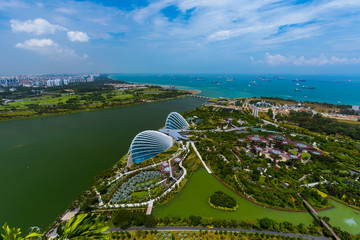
255	95
91	110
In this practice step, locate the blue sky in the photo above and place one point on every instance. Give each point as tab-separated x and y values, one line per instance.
180	36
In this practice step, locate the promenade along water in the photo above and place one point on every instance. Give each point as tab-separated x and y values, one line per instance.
47	162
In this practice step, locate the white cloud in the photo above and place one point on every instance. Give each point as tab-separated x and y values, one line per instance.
39	26
322	60
252	23
33	44
6	4
78	36
49	47
66	10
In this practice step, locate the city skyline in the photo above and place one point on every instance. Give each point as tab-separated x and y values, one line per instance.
173	36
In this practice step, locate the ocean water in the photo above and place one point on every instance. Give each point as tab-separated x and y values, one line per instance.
339	89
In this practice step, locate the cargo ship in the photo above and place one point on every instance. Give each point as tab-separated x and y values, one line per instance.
308	87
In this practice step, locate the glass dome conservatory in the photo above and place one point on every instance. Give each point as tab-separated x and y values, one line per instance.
175	121
148	144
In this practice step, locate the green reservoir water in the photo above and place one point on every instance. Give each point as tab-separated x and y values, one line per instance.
344	217
192	200
45	163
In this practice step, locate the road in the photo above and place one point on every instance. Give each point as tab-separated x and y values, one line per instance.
181	228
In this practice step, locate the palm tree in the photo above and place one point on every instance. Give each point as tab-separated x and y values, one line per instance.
83	226
15	234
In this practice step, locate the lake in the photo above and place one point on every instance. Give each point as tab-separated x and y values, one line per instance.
47	162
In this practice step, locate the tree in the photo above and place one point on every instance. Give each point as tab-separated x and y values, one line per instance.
121	218
15	234
266	223
83	226
195	220
270	113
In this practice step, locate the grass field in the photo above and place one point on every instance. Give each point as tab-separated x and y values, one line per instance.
304	154
192	200
348	121
140	194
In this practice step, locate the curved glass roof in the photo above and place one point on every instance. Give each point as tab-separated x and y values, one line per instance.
175	121
148	144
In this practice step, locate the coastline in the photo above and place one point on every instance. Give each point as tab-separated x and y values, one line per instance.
242	87
94	109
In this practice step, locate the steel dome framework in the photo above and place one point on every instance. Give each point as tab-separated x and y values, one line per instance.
175	121
148	144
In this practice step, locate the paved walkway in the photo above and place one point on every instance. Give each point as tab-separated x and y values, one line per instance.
149	209
319	218
197	152
231	129
180	228
271	123
66	217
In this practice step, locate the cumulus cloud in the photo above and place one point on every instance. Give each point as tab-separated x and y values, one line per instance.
78	36
35	44
49	47
39	26
321	60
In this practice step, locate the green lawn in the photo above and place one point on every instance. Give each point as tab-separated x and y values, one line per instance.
192	200
140	194
303	155
295	152
44	100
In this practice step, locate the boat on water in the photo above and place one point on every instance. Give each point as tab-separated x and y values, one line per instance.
229	79
338	81
218	84
308	87
214	82
297	84
297	90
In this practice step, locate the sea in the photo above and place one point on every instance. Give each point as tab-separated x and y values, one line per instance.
334	89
